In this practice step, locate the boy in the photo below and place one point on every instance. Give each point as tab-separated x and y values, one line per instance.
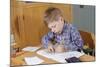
62	36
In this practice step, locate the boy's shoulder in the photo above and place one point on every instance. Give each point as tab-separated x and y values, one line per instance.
68	25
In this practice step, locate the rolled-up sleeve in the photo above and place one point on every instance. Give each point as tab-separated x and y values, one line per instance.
46	39
76	40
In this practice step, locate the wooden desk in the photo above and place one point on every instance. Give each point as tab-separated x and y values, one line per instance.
19	59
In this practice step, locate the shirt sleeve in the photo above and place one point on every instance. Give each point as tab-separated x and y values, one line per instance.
46	39
76	40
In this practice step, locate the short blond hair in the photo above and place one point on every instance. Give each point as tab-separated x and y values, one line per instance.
52	14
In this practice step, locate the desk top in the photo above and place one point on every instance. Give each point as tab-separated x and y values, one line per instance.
19	59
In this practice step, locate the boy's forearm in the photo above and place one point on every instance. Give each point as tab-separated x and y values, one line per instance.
47	39
76	46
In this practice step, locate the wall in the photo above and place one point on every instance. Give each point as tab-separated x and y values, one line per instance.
28	23
84	18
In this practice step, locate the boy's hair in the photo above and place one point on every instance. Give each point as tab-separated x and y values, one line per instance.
52	14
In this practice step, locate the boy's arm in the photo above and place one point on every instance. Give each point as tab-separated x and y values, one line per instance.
46	39
76	40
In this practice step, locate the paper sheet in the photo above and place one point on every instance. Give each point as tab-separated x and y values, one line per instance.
60	57
33	60
31	49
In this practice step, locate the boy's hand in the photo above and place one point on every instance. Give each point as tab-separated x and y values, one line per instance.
60	48
51	48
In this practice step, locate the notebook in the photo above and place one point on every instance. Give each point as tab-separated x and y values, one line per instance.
60	57
31	49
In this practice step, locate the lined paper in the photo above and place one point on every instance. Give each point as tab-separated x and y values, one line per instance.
33	60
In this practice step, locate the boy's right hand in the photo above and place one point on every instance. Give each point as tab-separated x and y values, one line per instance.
51	48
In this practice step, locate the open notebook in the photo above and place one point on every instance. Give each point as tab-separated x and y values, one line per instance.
60	57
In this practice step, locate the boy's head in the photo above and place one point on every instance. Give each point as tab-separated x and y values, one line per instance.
54	19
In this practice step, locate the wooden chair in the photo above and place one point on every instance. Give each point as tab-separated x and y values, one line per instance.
89	40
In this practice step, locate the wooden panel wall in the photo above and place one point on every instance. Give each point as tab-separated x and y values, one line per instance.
29	23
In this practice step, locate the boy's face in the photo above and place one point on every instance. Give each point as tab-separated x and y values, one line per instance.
56	26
